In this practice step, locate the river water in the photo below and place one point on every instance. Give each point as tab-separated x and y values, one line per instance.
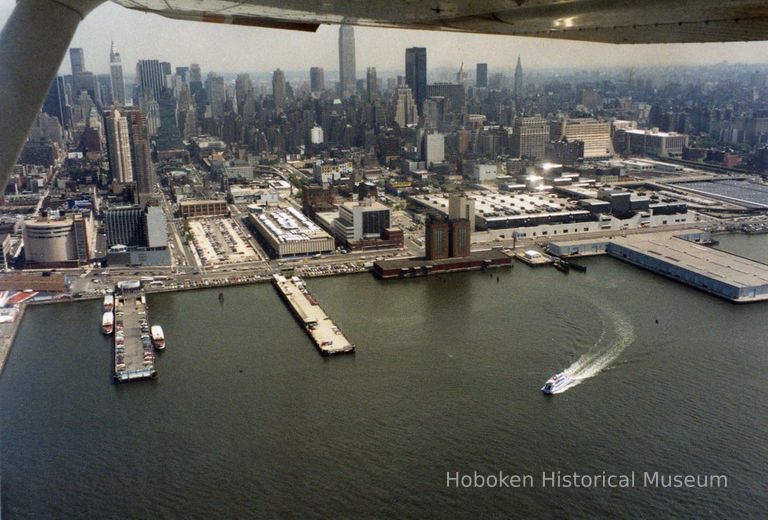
247	420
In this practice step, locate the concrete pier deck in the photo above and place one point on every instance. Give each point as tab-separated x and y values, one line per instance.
327	337
134	358
682	256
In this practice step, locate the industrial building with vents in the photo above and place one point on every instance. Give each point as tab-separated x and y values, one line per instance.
288	232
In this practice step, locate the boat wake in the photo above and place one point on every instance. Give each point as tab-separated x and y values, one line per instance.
618	333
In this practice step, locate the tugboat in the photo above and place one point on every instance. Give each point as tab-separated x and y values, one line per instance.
158	338
556	383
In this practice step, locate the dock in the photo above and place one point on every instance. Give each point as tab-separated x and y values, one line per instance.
681	256
414	267
327	337
534	258
134	358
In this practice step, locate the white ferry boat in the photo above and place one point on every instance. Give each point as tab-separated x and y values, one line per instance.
158	338
109	303
107	322
556	383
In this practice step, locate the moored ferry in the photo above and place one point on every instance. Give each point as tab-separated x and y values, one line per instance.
107	322
158	338
109	303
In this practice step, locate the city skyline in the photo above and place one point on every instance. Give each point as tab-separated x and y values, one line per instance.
143	36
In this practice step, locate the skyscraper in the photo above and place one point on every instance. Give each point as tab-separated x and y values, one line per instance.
149	75
141	154
55	103
405	107
316	79
481	75
217	94
416	74
278	89
77	59
195	80
529	137
119	145
347	74
519	78
116	72
371	83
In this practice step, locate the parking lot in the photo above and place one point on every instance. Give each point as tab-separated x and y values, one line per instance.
219	241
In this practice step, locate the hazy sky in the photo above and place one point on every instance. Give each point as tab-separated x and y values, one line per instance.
248	49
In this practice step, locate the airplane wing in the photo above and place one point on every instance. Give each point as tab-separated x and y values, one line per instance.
608	21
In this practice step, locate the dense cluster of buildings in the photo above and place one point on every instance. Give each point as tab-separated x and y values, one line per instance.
526	153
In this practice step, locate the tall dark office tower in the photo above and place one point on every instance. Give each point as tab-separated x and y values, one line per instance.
316	79
243	86
165	67
183	73
55	103
519	78
416	74
347	74
149	75
103	87
77	59
195	80
217	94
371	83
481	75
278	89
116	72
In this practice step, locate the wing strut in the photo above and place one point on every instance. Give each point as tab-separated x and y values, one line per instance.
33	43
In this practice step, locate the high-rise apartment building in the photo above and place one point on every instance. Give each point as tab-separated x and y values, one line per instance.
347	74
434	149
595	134
481	75
416	74
529	138
116	74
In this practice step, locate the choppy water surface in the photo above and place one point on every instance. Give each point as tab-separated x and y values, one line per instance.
246	419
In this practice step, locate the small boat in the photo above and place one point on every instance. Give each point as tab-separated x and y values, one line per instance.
556	383
221	297
578	267
561	266
158	338
107	323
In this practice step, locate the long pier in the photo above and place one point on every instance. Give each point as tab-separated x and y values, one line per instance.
134	358
681	256
327	337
